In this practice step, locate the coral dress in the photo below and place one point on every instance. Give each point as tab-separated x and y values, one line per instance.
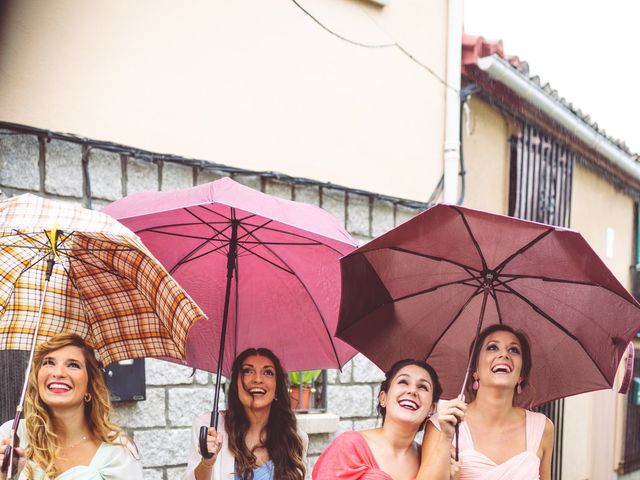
348	457
523	466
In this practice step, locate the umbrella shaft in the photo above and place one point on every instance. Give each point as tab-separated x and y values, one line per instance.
232	256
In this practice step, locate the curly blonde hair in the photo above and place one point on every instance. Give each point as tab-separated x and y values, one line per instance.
44	444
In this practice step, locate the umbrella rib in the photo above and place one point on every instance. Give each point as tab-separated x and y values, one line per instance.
524	248
495	300
233	209
26	267
467	268
473	238
267	260
190	258
547	317
429	290
175	234
293	234
264	226
313	300
559	280
204	222
453	320
103	269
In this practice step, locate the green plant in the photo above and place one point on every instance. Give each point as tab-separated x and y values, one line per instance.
306	377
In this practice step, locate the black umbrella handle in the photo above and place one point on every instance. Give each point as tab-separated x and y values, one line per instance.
204	451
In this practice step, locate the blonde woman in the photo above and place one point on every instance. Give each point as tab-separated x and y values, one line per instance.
67	434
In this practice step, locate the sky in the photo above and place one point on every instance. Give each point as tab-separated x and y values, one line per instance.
588	50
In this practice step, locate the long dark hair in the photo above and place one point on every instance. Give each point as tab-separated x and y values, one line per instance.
474	352
282	440
393	371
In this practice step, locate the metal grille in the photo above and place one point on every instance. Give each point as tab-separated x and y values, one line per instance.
541	175
310	398
13	364
631	460
540	190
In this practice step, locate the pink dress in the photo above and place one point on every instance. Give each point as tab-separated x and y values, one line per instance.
523	466
348	457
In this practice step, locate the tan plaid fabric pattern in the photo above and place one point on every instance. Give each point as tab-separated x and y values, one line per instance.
105	285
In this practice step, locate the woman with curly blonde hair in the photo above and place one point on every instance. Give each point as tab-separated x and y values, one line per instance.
67	433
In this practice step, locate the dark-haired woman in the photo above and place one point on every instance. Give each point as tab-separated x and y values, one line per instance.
498	440
407	398
67	434
261	440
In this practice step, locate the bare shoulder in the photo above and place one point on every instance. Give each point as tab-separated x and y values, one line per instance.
547	435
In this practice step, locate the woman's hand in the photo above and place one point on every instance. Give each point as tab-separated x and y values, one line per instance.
19	458
214	445
455	466
451	413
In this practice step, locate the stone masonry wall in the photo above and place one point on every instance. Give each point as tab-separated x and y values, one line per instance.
89	176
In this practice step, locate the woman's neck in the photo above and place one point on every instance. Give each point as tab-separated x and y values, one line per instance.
493	405
398	436
70	424
258	419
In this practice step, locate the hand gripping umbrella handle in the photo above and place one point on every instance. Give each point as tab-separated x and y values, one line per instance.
204	451
457	438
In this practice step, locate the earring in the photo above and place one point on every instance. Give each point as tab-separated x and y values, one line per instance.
87	397
476	384
519	389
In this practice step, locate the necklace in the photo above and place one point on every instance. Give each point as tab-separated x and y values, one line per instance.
71	447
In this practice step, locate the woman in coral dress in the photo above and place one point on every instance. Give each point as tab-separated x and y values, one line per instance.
407	397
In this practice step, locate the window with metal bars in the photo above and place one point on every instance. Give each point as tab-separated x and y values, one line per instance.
631	458
541	174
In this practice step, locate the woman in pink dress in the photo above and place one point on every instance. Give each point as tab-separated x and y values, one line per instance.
498	440
407	397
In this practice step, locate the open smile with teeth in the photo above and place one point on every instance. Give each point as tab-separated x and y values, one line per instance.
57	387
408	404
257	391
501	368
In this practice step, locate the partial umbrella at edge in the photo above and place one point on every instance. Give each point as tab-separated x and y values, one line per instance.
418	291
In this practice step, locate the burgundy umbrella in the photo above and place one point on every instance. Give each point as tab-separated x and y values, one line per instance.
264	270
426	288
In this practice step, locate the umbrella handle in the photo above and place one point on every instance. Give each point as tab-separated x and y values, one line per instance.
204	451
457	444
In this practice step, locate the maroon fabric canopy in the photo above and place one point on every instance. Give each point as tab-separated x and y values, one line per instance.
427	287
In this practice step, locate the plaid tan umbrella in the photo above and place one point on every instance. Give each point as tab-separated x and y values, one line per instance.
67	269
104	286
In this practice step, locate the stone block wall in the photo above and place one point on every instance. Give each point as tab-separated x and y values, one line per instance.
86	175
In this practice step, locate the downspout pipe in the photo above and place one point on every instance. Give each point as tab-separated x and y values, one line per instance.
452	106
501	71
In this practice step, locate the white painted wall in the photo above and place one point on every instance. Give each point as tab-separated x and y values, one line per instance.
254	84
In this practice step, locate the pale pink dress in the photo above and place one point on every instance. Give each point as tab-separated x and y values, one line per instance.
523	466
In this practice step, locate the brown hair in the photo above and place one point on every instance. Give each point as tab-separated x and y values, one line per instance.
474	352
281	437
43	441
393	371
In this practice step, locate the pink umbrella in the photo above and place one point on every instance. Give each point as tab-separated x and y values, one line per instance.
264	270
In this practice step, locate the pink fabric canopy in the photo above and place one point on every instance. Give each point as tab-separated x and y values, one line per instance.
285	289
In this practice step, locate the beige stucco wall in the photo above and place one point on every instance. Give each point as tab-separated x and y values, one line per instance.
593	421
253	84
486	155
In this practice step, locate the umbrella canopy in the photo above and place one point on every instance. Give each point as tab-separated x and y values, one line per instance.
426	288
67	269
104	285
283	255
